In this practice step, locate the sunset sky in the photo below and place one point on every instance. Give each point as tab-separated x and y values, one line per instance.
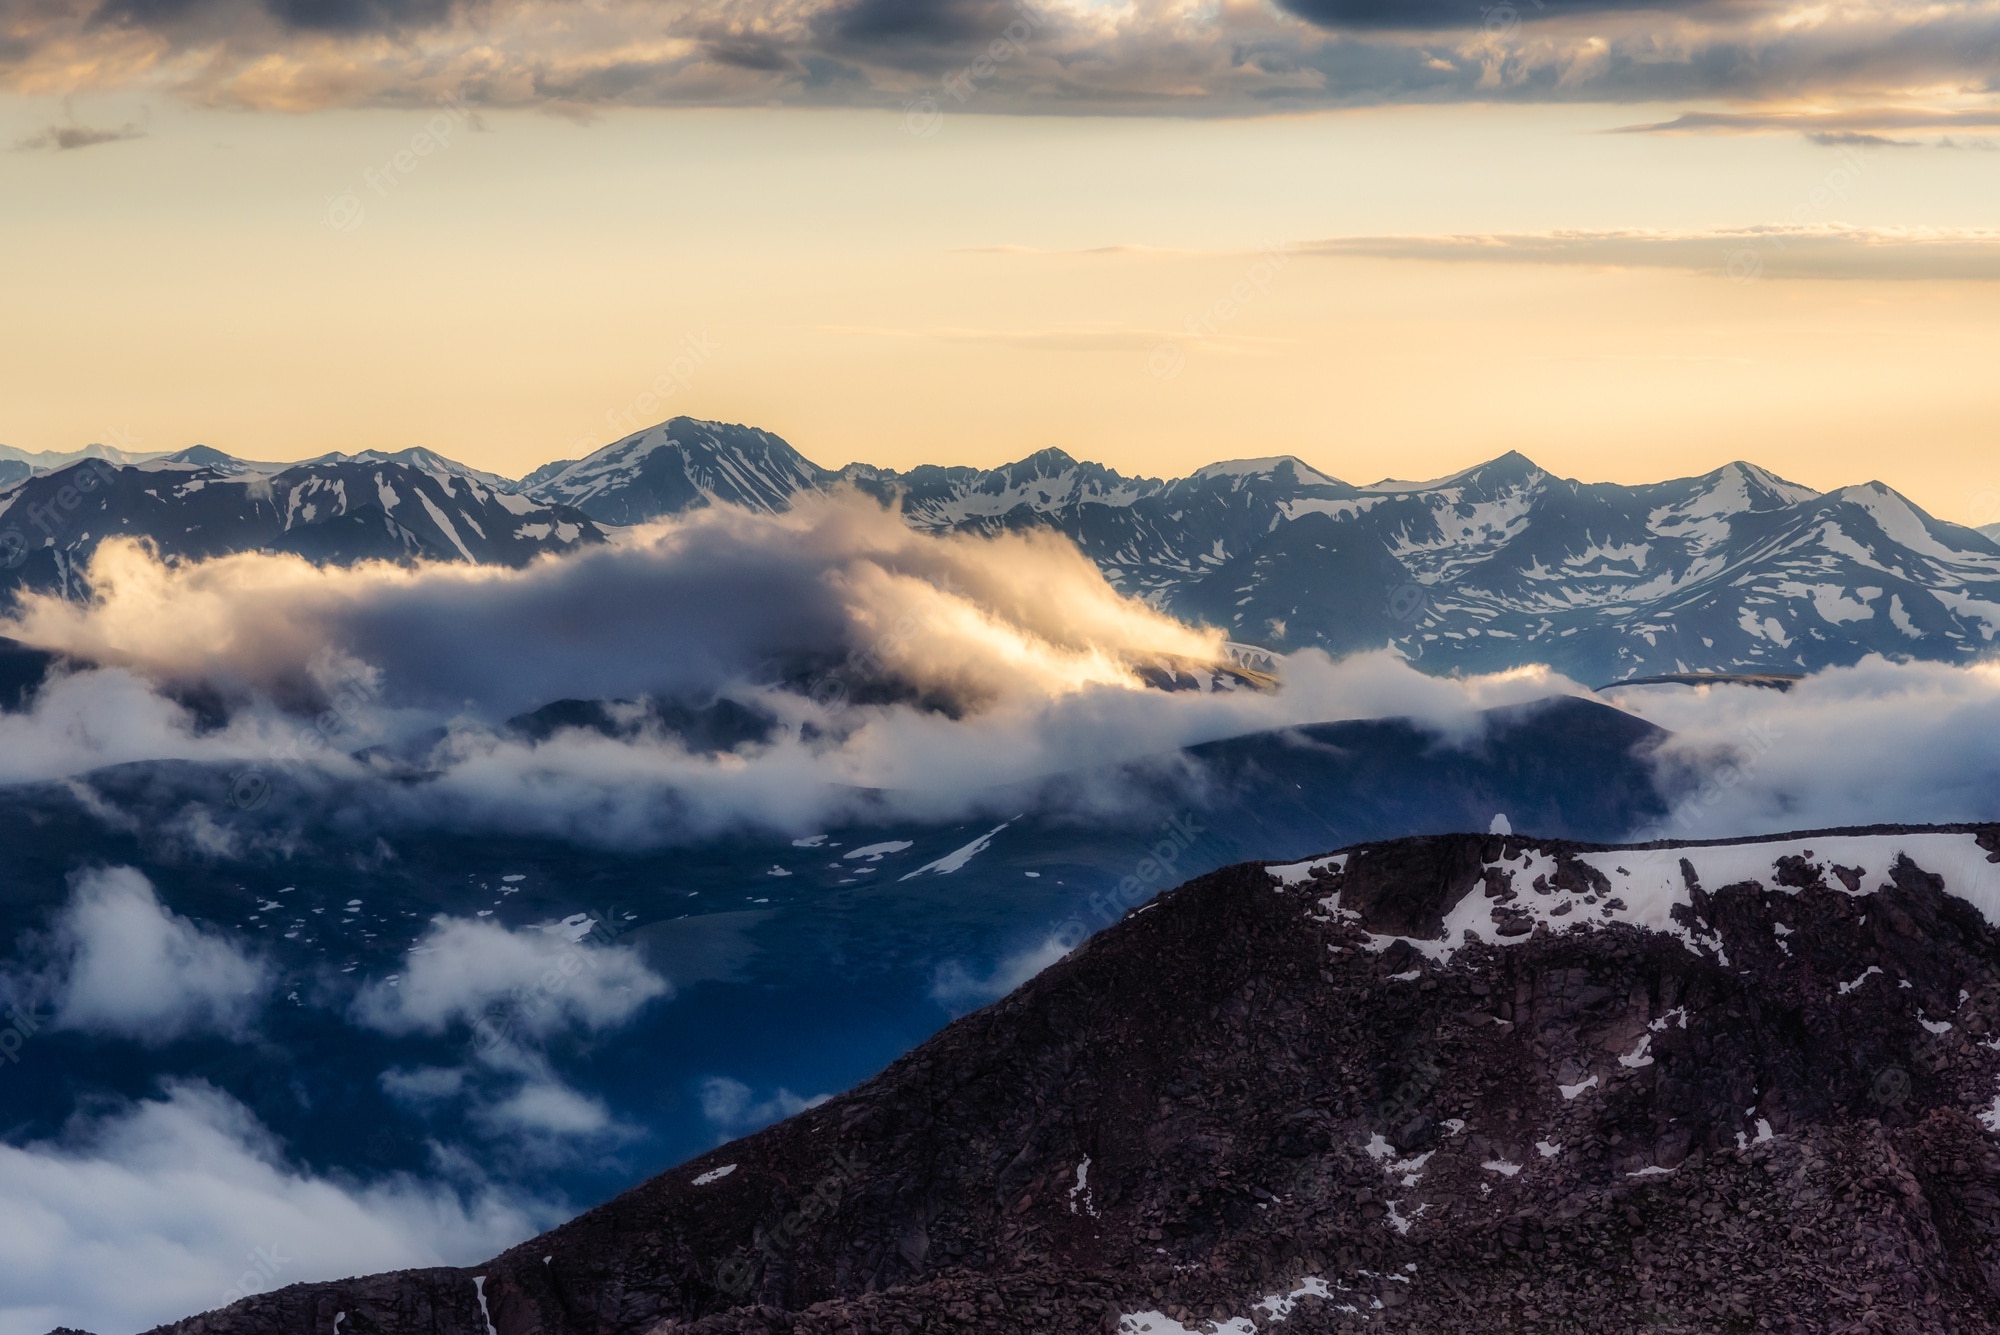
1393	239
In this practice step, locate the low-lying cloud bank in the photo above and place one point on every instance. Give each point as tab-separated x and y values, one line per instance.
888	674
717	598
185	1202
895	673
1877	743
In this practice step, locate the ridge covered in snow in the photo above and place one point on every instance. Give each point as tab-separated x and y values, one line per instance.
1489	568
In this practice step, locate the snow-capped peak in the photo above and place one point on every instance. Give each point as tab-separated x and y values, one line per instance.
1301	472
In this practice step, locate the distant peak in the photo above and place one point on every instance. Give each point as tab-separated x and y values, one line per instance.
1268	467
1764	477
416	457
1049	460
1513	466
201	454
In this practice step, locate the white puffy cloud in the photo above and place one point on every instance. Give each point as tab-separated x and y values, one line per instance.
117	962
182	1203
549	1108
688	604
511	983
1876	743
959	989
734	1109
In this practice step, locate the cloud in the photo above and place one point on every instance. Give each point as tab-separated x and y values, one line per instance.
547	1108
423	1085
83	721
897	675
61	138
118	963
1854	119
185	1202
1799	251
1235	57
687	605
528	982
734	1109
1880	742
512	1094
1434	15
958	989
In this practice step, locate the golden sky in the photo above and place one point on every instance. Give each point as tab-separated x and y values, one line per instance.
1395	290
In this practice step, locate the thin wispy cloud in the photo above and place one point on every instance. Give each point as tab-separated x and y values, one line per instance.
66	138
1819	122
1905	254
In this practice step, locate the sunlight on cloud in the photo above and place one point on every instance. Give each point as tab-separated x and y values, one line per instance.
1149	57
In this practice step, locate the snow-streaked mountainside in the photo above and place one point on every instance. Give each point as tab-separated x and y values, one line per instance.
1496	566
1451	1085
676	465
337	509
1485	569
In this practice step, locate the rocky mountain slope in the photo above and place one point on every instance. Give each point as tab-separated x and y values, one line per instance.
1499	565
1457	1083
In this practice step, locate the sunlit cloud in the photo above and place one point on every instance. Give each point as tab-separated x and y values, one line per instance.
1229	58
1823	251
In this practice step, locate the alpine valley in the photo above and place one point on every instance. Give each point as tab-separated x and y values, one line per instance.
1500	565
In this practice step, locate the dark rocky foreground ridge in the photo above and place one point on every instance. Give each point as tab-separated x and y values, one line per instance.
1451	1084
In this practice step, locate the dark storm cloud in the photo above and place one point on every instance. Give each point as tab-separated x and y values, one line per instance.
917	22
750	54
1227	58
333	16
1434	15
60	138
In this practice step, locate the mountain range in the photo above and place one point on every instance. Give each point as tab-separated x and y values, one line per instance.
1487	569
1453	1084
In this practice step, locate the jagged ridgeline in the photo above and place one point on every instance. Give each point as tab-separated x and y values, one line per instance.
1500	565
1444	1084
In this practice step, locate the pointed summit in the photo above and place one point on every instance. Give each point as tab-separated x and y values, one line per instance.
682	464
1508	472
